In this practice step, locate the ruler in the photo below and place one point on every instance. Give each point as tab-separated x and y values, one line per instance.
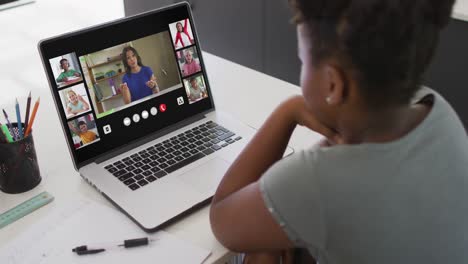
25	208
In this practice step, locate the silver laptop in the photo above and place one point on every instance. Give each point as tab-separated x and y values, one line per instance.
137	110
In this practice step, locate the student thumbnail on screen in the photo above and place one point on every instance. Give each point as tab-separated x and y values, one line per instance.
189	62
66	70
83	131
130	73
195	88
182	35
75	100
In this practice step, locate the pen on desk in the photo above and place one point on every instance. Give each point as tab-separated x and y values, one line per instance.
18	118
83	250
33	116
129	243
135	242
28	108
10	127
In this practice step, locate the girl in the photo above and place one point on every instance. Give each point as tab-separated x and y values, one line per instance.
182	38
389	184
191	66
76	103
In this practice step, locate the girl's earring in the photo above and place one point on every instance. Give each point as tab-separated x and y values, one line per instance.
328	99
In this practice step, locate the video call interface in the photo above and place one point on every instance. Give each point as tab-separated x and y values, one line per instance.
93	87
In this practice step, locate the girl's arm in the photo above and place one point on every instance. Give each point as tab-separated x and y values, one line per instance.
85	104
69	110
154	84
74	129
127	97
186	31
178	38
239	218
60	78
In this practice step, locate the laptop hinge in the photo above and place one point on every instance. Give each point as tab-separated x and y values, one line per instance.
148	138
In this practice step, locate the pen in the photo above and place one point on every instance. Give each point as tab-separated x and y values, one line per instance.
12	132
28	108
83	250
135	242
31	121
18	118
129	243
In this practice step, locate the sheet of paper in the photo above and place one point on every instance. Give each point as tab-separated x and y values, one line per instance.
85	223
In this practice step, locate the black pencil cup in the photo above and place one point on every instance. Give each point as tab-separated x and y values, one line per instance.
19	169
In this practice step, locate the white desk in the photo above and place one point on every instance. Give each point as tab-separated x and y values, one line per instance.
21	71
460	10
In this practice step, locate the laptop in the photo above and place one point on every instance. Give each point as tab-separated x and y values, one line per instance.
6	4
137	110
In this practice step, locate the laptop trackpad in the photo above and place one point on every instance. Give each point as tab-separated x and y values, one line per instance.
206	178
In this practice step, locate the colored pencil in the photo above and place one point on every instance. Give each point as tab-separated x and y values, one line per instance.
28	108
18	118
12	131
3	138
33	116
7	134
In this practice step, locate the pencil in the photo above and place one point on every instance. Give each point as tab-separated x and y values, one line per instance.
3	138
18	118
7	134
28	108
12	132
31	121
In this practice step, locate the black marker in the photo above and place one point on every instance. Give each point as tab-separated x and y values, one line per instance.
91	251
129	243
135	242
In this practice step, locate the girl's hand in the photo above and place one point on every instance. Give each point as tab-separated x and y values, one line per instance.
125	91
77	74
303	117
124	87
151	84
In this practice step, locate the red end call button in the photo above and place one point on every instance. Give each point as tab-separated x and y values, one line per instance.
162	108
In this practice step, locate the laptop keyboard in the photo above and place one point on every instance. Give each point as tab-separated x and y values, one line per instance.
146	166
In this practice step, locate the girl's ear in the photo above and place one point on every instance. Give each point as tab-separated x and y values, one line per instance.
336	85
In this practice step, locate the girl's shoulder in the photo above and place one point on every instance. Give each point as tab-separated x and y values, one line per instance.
147	69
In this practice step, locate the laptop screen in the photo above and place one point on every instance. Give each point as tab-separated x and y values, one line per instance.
119	82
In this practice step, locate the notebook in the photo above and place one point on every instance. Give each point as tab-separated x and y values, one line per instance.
88	223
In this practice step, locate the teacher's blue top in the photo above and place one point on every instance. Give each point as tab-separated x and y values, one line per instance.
136	82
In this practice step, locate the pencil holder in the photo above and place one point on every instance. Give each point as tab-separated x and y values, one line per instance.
19	169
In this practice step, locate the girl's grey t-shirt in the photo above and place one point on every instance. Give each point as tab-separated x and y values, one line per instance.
400	202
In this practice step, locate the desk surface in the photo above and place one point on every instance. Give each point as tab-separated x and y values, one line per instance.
22	71
460	11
